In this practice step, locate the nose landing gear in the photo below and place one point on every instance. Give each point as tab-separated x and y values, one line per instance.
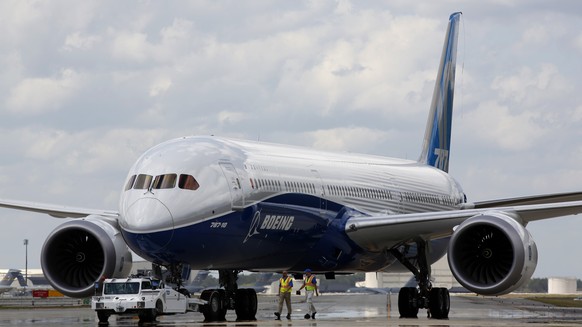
229	297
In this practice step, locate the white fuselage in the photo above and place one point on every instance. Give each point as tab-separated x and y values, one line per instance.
234	176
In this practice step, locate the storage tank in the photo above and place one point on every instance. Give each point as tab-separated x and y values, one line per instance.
561	285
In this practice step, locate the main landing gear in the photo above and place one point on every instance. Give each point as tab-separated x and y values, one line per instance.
242	301
410	299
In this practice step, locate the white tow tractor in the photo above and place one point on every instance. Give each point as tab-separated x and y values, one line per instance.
145	297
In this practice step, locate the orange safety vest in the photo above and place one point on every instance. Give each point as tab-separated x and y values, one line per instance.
285	285
309	285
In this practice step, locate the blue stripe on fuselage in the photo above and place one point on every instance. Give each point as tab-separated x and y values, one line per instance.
287	232
290	230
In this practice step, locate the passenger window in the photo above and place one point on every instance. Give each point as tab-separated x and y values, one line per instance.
165	181
142	182
188	182
130	182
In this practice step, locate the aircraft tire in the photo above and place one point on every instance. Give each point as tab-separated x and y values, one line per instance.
407	302
241	306
246	304
253	304
214	310
439	303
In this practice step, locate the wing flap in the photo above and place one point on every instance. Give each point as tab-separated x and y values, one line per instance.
56	210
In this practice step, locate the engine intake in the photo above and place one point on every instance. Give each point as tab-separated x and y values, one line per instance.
80	252
492	254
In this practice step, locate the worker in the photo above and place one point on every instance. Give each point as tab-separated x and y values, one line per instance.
285	288
310	285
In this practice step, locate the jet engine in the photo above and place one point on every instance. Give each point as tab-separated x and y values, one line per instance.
492	254
80	252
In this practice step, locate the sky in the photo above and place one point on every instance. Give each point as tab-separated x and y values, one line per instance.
87	86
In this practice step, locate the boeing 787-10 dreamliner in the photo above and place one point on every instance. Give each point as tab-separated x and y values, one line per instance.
229	205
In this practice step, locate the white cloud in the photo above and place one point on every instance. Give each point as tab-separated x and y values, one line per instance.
231	118
537	34
529	87
497	126
577	42
160	86
577	114
38	94
343	7
78	40
180	31
353	139
130	46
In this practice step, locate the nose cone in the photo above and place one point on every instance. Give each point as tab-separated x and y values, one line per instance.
151	219
147	215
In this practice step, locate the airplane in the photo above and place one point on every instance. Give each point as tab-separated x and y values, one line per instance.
263	282
6	282
214	203
195	286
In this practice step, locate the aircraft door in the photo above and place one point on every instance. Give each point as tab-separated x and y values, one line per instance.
320	191
396	194
235	185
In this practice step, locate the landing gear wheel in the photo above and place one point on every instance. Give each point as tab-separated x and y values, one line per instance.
103	317
215	309
408	302
439	303
245	304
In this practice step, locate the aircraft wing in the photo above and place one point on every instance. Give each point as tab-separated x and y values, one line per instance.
376	233
56	210
536	199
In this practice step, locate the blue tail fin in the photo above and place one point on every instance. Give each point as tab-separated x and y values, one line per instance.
9	277
437	137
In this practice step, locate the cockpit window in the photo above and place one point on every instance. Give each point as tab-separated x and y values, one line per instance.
188	182
143	182
165	181
130	182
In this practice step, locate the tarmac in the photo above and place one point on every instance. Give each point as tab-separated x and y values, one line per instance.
335	310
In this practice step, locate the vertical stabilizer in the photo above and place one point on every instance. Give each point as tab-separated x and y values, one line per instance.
437	137
9	277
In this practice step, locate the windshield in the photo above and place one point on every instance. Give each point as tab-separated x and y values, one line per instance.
121	288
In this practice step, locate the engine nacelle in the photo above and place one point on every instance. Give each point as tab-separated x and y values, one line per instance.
492	254
79	253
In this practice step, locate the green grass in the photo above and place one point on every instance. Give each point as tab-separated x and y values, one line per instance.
558	300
